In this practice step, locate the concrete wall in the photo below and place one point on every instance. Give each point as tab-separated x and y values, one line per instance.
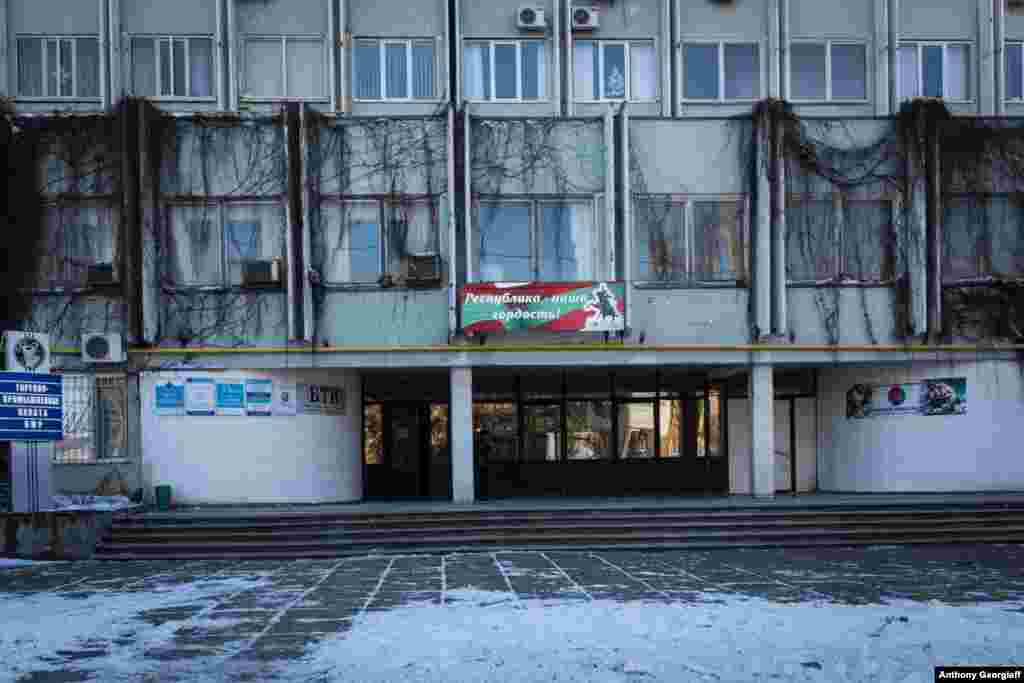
384	317
183	16
248	459
691	316
978	451
664	155
854	315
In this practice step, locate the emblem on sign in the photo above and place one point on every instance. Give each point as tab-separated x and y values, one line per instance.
30	353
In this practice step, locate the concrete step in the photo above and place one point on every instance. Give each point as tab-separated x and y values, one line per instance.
877	534
595	526
320	553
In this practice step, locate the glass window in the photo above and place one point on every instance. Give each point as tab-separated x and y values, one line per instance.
353	250
503	245
670	415
543	433
78	236
636	430
807	71
87	74
366	64
715	425
200	67
534	73
610	70
568	249
144	66
496	432
196	245
849	72
476	66
58	67
718	249
423	70
30	67
589	430
373	434
1007	221
910	86
263	75
172	67
957	80
810	240
643	72
614	70
700	64
304	68
1014	67
660	240
742	72
867	238
439	450
505	85
932	70
585	71
396	79
166	68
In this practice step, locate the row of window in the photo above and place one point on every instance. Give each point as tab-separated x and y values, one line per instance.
68	67
676	242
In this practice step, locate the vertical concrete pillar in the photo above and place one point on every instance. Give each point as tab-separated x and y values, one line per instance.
762	438
762	229
461	415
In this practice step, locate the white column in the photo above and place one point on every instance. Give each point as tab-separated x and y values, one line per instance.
762	438
461	416
762	228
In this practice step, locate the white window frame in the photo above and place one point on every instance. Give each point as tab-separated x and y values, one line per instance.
536	206
409	43
919	45
628	43
384	206
283	39
56	38
839	201
721	44
220	208
161	38
828	43
491	44
1012	45
687	203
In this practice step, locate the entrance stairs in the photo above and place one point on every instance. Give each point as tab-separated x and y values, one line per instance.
336	531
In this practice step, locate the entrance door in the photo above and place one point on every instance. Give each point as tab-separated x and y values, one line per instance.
783	445
405	449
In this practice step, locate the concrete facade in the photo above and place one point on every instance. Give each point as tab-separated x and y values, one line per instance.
450	129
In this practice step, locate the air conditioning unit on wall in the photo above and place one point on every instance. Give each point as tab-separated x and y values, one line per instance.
262	273
530	18
102	348
584	18
421	270
101	274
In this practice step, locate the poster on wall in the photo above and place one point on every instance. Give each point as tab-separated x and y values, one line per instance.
490	307
200	396
258	396
284	400
320	400
230	398
943	396
170	398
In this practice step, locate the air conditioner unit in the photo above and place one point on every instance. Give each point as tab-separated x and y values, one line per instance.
530	19
421	269
27	352
584	18
262	273
102	348
101	274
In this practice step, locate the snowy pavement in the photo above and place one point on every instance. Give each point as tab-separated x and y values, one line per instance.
844	614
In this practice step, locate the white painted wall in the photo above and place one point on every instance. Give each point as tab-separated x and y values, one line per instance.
739	446
249	459
979	451
806	444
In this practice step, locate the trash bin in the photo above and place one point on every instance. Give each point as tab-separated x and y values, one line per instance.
163	497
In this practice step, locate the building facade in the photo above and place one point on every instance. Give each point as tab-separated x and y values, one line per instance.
487	249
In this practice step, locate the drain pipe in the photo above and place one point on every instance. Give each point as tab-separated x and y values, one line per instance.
894	41
452	236
627	221
998	31
780	326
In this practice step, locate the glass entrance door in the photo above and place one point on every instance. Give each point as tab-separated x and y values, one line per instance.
405	452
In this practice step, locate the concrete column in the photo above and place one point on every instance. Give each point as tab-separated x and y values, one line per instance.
762	228
762	425
461	416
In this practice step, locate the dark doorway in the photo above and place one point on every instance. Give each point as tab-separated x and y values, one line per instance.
405	450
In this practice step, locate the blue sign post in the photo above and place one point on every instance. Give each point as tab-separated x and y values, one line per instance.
31	407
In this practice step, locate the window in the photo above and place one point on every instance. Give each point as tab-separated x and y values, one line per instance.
1013	63
95	428
721	71
284	66
611	70
983	236
59	67
688	241
79	234
934	70
829	70
211	242
839	239
505	70
365	239
542	240
172	66
394	69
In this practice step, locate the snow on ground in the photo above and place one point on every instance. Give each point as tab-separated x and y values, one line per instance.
91	502
37	626
10	563
491	636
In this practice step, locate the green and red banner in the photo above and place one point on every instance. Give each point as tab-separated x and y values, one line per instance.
543	307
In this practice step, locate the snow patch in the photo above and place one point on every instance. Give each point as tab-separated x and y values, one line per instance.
9	563
91	502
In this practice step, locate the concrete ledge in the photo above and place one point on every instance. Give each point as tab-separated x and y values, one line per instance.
69	535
